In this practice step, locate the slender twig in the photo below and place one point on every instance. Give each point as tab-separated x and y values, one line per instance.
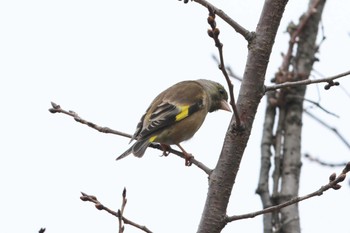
323	163
328	80
121	212
99	206
228	68
333	184
347	93
57	109
341	137
214	33
317	104
238	28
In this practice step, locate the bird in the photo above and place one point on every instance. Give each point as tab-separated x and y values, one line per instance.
176	114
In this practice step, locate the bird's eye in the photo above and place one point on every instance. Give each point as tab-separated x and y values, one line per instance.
222	91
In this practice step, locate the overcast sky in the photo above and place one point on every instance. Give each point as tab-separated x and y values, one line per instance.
107	60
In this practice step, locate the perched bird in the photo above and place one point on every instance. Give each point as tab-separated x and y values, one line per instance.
176	114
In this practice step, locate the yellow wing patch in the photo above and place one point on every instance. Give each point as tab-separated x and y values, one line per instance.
152	138
183	114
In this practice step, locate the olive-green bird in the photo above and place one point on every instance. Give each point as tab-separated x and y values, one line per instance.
176	114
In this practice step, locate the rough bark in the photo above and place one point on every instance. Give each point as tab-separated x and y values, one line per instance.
222	179
287	143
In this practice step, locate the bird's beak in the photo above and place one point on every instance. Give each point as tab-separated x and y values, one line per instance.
225	106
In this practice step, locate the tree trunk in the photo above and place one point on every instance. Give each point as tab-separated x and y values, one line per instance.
287	143
222	179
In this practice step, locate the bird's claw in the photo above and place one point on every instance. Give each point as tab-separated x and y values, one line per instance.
166	149
188	160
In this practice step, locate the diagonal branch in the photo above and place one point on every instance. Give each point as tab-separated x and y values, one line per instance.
333	184
238	28
341	137
99	206
328	80
57	109
323	163
214	33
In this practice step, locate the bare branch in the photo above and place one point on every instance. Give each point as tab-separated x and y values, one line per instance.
238	28
327	164
333	184
214	33
228	68
57	109
291	96
328	80
99	206
329	127
121	212
267	141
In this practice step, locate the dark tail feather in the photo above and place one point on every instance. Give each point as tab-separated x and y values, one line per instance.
138	149
126	153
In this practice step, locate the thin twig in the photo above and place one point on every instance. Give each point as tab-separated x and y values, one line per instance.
214	33
341	87
326	164
333	184
329	127
306	82
121	212
238	28
317	104
57	109
228	68
99	206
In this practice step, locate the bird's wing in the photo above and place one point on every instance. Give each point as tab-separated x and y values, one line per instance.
166	114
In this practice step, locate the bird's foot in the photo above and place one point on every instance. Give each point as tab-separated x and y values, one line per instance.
166	149
188	159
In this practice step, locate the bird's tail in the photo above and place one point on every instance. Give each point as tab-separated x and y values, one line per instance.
126	153
138	149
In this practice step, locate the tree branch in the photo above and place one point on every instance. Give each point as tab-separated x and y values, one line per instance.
223	177
323	163
238	28
328	80
214	33
267	142
334	130
121	212
333	184
99	206
57	109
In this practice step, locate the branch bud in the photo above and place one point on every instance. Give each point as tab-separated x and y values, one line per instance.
210	33
211	19
336	186
216	31
99	206
332	177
